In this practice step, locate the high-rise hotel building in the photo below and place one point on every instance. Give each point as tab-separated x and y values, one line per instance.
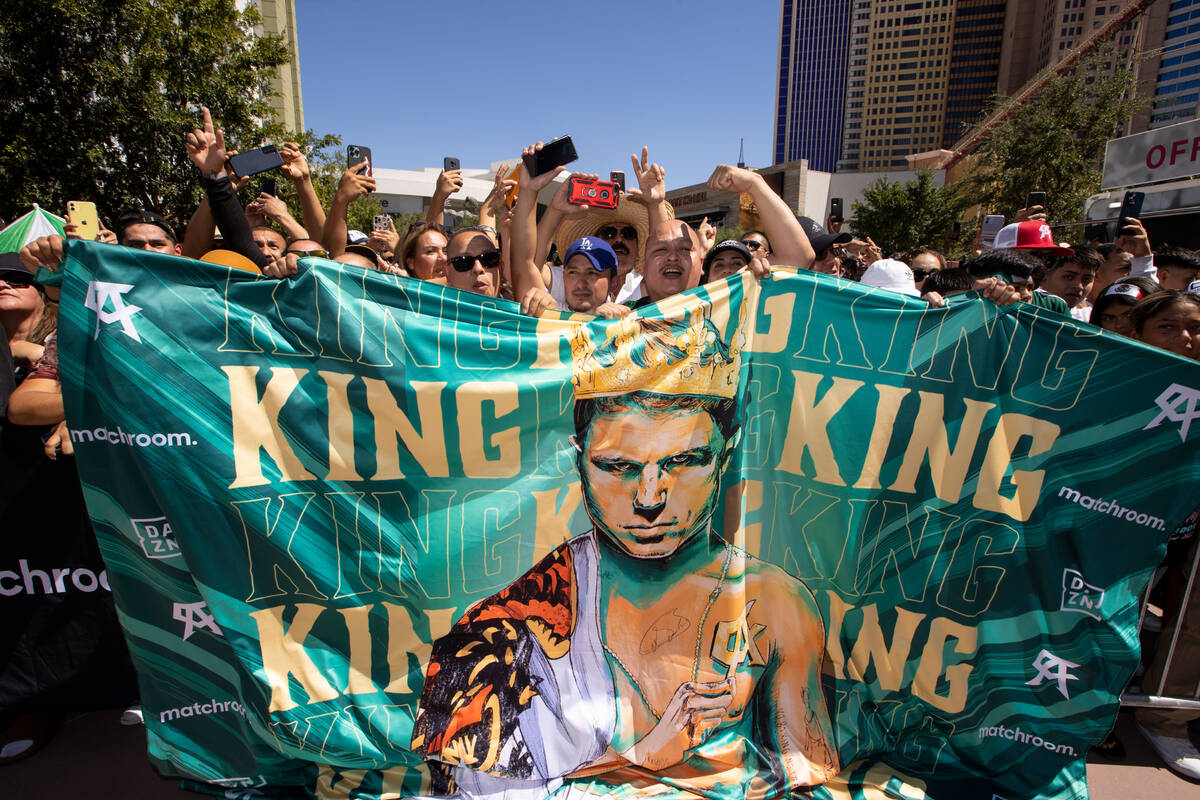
865	83
810	92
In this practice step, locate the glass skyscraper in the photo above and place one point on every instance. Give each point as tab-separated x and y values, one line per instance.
1177	90
810	94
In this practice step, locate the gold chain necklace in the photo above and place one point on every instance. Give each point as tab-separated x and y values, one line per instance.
712	599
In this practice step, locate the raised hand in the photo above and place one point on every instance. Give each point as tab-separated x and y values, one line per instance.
269	206
707	234
503	184
295	165
652	178
353	185
732	179
1133	238
537	301
559	201
206	148
528	182
384	240
871	253
759	266
282	265
45	251
996	290
449	182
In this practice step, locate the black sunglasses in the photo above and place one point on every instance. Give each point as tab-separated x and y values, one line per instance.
465	263
753	245
920	274
609	232
16	280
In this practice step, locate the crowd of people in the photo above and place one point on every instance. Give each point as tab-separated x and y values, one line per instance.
610	262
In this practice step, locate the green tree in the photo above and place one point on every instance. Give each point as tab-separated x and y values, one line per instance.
96	98
1054	143
902	216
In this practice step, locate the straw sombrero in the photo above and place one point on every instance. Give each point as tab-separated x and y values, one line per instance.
629	210
228	258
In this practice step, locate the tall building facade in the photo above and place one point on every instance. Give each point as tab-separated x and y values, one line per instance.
279	19
974	65
810	92
864	83
913	76
1177	84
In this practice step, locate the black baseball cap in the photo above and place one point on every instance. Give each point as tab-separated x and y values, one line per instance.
10	264
136	216
820	238
725	246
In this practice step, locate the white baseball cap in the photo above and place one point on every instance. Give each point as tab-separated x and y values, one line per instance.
888	273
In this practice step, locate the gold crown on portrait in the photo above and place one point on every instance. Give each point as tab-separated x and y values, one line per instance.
664	356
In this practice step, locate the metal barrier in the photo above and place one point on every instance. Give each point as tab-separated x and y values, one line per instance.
1157	699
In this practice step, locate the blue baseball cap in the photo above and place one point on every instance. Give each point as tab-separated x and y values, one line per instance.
597	251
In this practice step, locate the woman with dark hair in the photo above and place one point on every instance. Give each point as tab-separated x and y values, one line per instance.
1169	320
924	261
423	252
1112	307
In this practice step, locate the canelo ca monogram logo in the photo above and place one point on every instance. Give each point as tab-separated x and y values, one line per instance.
101	295
1176	404
1052	668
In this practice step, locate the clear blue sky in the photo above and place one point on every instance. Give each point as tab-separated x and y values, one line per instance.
416	81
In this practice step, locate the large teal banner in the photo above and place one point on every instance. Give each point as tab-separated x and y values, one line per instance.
372	538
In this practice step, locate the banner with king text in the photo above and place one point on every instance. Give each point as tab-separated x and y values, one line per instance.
371	537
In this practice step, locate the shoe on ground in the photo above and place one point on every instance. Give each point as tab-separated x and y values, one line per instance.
28	734
1179	754
132	716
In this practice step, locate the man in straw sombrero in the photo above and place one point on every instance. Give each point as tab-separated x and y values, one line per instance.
624	228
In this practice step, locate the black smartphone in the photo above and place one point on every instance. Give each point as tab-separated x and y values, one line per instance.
555	154
260	159
1131	206
835	209
357	154
1035	199
268	186
449	163
618	178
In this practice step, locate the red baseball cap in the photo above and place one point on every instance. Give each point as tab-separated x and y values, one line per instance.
1031	234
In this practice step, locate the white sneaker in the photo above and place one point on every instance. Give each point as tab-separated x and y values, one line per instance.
132	716
1178	753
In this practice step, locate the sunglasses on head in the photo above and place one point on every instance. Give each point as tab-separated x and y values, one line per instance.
303	253
465	263
17	280
609	232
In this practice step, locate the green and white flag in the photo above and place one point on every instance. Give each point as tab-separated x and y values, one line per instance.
371	537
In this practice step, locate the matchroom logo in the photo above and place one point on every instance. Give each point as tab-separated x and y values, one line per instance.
118	436
201	710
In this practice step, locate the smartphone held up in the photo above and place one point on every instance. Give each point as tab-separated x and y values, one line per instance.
359	156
